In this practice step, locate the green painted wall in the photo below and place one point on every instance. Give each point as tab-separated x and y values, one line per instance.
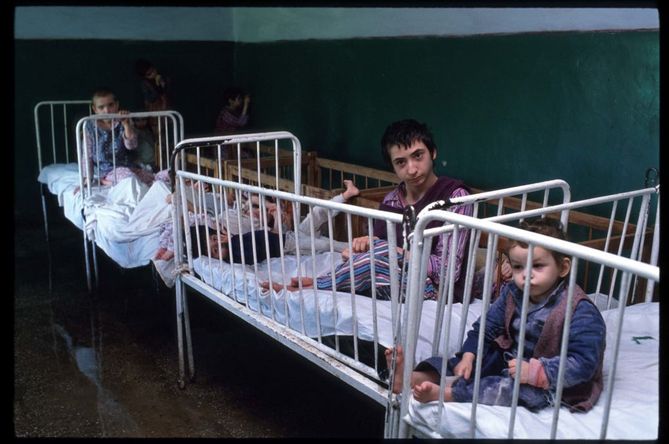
505	110
72	69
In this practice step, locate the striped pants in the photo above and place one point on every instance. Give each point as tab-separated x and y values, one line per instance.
361	280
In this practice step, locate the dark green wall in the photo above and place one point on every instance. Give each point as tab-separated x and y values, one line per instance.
505	110
72	69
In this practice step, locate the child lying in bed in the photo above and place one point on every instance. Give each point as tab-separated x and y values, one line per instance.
539	368
219	247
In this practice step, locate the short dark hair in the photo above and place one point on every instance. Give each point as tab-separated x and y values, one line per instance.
101	91
404	133
142	66
199	232
232	93
541	225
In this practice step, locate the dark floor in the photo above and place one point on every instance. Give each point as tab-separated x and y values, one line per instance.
105	364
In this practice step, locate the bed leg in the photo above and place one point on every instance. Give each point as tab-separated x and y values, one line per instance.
390	429
44	214
88	265
182	320
95	265
180	345
189	343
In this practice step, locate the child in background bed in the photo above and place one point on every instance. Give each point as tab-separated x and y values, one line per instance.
108	141
144	155
234	115
154	86
545	318
219	246
409	148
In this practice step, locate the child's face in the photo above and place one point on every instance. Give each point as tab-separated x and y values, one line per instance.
412	165
544	274
150	73
235	103
105	105
256	210
217	246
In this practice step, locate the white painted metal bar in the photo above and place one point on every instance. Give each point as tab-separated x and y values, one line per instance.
630	267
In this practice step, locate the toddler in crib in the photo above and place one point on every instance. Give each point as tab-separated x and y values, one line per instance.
545	318
219	247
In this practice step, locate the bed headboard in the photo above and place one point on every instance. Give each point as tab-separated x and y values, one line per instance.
169	127
54	130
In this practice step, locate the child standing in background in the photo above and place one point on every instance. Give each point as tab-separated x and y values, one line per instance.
234	115
154	86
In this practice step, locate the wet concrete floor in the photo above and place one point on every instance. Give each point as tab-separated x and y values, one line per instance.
105	364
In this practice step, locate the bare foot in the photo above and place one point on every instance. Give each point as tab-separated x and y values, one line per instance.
427	391
307	282
275	286
350	190
399	367
163	254
159	253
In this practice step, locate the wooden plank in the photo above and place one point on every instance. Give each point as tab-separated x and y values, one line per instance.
353	169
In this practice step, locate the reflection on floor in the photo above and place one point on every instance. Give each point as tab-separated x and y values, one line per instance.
105	364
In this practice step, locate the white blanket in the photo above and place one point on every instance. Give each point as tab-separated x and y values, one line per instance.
125	220
634	410
317	307
124	225
61	180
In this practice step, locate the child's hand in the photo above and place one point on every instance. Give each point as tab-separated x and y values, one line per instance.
532	373
361	244
505	268
465	366
127	123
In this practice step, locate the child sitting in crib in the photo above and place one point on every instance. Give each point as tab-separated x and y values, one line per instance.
539	368
219	245
109	143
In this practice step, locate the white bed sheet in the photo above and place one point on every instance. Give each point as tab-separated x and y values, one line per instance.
61	180
634	409
125	220
246	284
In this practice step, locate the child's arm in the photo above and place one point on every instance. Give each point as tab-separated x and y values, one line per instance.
130	139
531	373
587	336
494	326
465	366
434	263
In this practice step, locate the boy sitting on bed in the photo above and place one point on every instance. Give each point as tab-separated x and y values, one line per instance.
545	318
219	247
409	148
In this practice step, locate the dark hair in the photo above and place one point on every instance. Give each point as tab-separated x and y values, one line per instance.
203	245
542	225
142	66
102	91
404	133
232	93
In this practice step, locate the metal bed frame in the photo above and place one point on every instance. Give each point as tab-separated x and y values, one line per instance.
171	131
627	268
361	376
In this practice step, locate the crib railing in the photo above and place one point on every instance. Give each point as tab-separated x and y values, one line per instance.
628	274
